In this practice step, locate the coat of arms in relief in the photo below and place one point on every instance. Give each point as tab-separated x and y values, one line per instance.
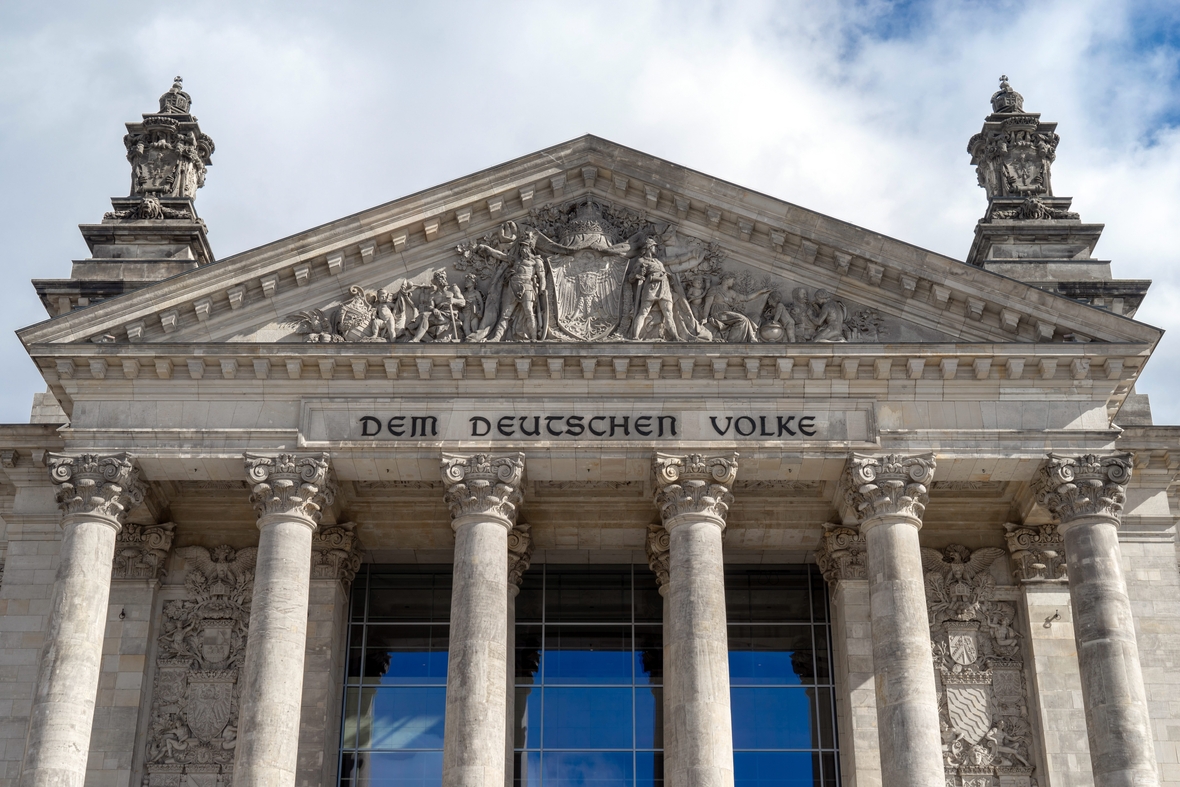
986	734
200	649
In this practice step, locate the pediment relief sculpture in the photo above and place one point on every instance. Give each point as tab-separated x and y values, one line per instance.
587	271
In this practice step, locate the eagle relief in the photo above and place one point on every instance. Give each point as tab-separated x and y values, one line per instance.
587	271
202	642
983	714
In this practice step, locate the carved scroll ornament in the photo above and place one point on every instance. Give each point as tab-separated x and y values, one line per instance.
520	552
335	552
1037	552
841	555
890	485
659	543
294	484
483	485
694	484
141	551
102	485
1088	485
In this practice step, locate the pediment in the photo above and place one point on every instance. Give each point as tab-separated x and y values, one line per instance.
718	260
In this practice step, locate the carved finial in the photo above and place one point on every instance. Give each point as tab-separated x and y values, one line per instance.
175	101
1083	486
291	484
1006	99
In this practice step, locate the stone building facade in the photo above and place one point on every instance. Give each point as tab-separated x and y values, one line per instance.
590	469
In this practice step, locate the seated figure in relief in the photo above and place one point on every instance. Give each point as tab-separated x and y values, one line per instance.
827	316
723	310
439	310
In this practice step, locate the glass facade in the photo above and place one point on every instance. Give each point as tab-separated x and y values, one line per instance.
589	677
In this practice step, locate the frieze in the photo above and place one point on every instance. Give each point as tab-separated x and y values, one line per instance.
587	271
199	653
983	710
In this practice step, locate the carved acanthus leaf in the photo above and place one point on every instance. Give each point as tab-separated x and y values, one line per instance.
1038	553
520	552
335	552
658	555
694	484
141	551
105	485
1087	485
296	484
890	485
841	554
483	485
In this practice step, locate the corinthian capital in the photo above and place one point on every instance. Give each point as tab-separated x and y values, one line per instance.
890	485
1080	486
140	551
335	552
105	486
841	554
1038	553
659	544
694	484
292	484
483	485
520	552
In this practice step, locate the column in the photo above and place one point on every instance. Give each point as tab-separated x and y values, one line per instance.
692	494
520	557
1086	494
94	492
483	492
658	543
288	492
889	494
842	560
335	558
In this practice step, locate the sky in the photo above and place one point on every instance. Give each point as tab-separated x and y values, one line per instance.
859	109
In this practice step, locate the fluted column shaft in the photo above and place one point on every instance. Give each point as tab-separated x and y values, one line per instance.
693	496
483	492
889	495
94	493
288	493
1086	494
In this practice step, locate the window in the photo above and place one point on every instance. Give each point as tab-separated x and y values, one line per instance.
395	698
780	677
589	674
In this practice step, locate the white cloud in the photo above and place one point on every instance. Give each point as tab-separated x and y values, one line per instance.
861	110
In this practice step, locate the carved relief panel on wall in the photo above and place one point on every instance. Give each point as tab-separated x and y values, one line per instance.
983	712
588	271
199	653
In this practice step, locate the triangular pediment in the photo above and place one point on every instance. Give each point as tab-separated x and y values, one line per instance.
720	250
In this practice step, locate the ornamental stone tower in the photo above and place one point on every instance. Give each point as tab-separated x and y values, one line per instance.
154	232
1028	233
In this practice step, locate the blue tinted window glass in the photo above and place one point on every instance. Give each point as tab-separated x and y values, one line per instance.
587	718
587	654
399	655
527	769
649	769
773	718
589	594
649	718
392	769
401	718
774	769
770	655
587	769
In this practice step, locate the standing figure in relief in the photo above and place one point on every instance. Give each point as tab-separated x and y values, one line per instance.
723	309
695	295
827	315
651	288
440	307
473	308
526	284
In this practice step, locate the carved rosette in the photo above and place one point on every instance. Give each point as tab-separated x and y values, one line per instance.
520	553
982	706
1084	486
192	733
888	486
694	485
335	552
104	486
841	554
141	550
1038	553
658	557
483	485
290	484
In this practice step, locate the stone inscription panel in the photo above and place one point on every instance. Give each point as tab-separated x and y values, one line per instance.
392	422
